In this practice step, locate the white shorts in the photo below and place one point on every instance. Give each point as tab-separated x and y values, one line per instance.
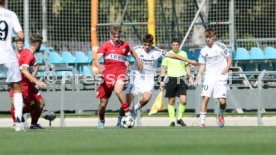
216	87
140	87
11	71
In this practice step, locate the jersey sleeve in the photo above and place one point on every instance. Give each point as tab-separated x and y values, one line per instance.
25	60
16	25
128	48
201	58
102	49
226	52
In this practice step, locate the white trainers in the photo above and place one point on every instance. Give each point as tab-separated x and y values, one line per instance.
19	127
13	125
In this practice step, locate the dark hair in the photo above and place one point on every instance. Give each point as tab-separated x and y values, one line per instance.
2	2
209	32
115	30
35	38
18	39
148	38
175	40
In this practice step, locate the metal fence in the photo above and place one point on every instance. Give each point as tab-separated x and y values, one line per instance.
66	23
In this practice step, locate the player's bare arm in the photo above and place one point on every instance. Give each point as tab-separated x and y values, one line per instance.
139	63
229	63
26	72
188	71
200	71
36	70
97	62
175	56
19	36
162	78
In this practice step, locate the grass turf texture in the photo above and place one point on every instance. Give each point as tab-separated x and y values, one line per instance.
140	141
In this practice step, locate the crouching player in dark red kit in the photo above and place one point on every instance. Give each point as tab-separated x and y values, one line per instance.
33	101
115	52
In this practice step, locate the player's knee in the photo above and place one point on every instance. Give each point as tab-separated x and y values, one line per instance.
42	105
222	101
16	86
103	103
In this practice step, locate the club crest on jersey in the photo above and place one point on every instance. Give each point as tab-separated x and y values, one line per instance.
124	50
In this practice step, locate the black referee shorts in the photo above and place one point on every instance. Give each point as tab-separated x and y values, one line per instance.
176	86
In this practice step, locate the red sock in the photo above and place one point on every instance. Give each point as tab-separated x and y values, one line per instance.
101	115
126	108
13	114
35	114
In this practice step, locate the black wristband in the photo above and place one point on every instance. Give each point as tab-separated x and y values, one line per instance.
162	78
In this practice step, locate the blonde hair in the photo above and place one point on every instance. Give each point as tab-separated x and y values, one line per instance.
209	33
115	30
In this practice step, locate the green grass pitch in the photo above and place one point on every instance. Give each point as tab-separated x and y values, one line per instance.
139	141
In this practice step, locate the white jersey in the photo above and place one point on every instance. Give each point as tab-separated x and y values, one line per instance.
149	60
215	59
9	23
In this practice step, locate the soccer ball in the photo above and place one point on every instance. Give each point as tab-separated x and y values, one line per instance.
127	122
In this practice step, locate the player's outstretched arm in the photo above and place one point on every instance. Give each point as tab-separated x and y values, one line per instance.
175	56
139	63
29	76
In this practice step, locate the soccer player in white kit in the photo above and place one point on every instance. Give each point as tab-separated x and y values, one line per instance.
9	23
142	82
216	60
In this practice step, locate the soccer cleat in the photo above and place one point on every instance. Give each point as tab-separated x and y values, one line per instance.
221	121
118	125
172	124
36	126
180	122
202	125
134	114
101	124
19	127
13	125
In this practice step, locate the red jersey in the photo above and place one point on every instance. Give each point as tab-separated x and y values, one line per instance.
26	59
114	56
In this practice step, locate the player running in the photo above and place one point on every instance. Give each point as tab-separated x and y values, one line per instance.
115	52
215	60
9	23
142	82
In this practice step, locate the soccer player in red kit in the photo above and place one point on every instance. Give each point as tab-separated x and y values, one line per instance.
33	101
19	49
115	52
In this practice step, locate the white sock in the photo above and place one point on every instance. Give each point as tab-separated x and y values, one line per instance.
127	113
202	117
137	106
18	105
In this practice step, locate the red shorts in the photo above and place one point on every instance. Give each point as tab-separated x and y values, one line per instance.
106	88
28	108
30	93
